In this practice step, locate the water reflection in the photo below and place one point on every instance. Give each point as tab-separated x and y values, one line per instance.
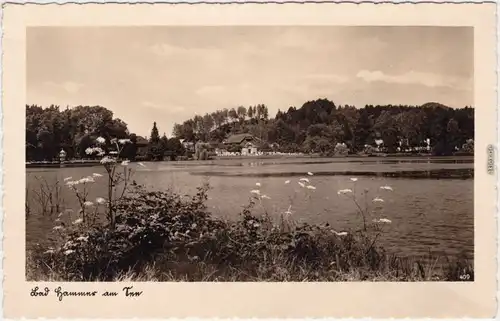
459	173
306	161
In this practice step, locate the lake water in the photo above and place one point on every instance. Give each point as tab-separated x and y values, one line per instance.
431	206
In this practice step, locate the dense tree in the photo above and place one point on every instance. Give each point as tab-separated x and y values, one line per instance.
175	146
250	112
164	143
242	113
48	130
154	139
130	150
233	114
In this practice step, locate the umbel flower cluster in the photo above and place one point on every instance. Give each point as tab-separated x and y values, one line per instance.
306	183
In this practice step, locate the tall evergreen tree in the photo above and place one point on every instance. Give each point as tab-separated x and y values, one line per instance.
155	137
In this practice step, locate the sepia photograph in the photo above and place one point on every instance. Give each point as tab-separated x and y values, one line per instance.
250	153
249	160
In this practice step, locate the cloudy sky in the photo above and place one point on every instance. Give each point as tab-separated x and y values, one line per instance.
168	74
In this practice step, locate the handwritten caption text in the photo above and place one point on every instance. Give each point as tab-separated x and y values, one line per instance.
60	293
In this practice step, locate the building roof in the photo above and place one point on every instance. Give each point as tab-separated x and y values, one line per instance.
141	141
238	138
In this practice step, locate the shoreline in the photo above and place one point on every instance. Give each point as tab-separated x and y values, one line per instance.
348	158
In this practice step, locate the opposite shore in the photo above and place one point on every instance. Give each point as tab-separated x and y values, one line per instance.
365	158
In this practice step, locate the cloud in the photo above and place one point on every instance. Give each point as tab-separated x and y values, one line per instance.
210	90
171	109
163	49
67	86
417	78
333	78
167	50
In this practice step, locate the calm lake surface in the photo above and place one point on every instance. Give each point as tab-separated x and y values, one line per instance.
431	206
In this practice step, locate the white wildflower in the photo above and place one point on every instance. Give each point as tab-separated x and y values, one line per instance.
121	227
107	160
88	203
344	191
302	184
68	252
72	183
68	244
304	180
100	140
255	191
354	179
85	180
100	200
387	188
256	225
68	178
378	199
310	187
94	150
78	221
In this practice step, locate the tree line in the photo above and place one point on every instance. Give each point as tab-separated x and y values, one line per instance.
48	130
320	126
213	126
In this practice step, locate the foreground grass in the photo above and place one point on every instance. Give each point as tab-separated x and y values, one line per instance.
169	271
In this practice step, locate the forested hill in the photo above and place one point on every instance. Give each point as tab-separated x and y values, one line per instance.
317	126
320	124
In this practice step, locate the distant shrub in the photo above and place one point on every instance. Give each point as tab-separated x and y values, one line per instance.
369	150
234	149
341	149
141	158
468	147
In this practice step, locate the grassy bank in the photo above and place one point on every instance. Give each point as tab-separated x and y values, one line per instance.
161	236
